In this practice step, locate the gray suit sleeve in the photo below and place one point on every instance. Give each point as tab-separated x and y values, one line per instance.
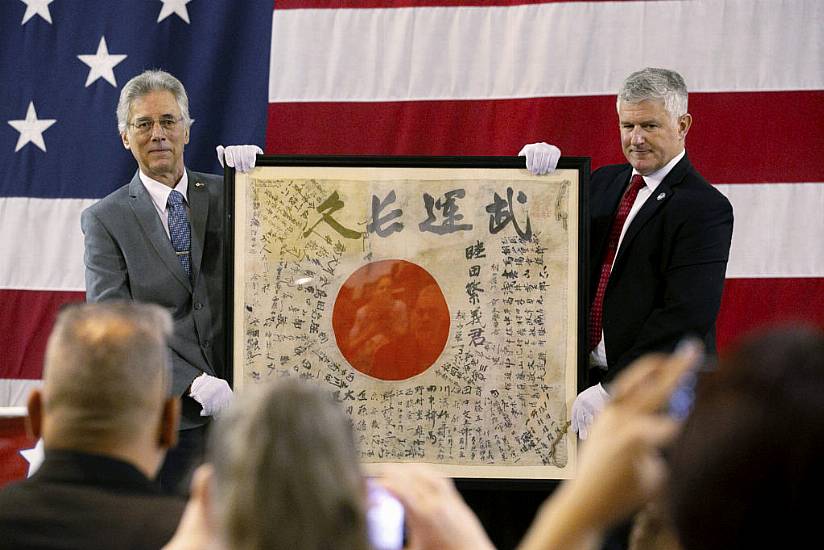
106	274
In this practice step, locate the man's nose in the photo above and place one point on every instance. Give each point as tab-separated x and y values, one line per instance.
157	131
637	135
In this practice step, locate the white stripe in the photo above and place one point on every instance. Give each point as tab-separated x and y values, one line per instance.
539	50
778	229
41	247
15	393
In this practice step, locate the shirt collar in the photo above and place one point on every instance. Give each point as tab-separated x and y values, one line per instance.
160	192
654	180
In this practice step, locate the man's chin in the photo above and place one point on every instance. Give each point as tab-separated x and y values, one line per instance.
161	171
161	164
643	166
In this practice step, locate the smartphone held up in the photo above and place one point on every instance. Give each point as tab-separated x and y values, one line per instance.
384	518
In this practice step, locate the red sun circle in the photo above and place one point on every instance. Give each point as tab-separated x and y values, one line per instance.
390	319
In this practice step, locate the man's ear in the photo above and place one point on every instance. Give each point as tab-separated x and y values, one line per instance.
684	123
34	421
124	137
169	420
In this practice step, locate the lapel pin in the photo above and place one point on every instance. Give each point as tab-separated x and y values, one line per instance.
199	184
660	196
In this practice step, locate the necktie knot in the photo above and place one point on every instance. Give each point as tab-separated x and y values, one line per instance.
175	198
636	183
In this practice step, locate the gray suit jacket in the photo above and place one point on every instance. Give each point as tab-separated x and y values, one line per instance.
128	255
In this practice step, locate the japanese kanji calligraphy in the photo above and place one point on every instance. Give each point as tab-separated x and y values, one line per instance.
437	305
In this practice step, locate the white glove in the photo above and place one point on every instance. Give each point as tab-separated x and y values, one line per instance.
213	394
541	158
240	157
586	407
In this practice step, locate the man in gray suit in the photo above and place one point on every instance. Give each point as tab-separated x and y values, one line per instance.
159	239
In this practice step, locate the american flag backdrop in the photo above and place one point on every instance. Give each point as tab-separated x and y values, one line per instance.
408	77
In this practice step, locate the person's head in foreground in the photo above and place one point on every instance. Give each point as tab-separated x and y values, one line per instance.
747	471
283	473
106	383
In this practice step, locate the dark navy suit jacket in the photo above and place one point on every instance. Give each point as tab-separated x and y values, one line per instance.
668	275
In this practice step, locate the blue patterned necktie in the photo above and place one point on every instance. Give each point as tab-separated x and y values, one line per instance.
179	230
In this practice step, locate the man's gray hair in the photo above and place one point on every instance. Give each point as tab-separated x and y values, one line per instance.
144	83
656	85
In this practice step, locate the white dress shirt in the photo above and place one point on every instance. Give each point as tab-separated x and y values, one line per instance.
160	195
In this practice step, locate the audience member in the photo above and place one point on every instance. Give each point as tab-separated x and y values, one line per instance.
282	472
746	471
106	420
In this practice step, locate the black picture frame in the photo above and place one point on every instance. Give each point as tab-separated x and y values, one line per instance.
581	165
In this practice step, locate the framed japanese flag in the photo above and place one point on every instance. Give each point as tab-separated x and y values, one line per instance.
440	300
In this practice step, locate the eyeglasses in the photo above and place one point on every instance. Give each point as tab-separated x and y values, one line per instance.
145	125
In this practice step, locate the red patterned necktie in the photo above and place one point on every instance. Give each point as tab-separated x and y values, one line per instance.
597	309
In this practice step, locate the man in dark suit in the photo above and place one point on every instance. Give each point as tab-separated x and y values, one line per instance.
106	417
159	239
659	238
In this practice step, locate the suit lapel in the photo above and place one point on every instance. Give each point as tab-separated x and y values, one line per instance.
198	215
660	197
146	214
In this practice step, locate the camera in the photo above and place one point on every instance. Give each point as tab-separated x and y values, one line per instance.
384	518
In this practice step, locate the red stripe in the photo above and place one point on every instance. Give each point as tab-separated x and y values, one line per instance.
749	304
735	138
25	323
361	4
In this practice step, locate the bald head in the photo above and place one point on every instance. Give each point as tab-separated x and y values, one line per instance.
106	375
